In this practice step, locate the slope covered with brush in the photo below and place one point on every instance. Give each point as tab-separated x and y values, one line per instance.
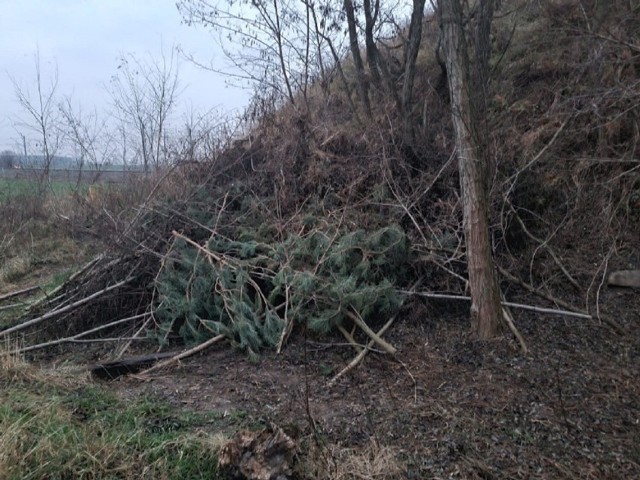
320	215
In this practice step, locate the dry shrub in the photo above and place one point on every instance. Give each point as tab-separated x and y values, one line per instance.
15	268
11	362
19	209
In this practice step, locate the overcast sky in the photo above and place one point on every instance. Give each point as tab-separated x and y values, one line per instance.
84	39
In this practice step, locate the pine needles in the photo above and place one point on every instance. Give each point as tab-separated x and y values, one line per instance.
255	293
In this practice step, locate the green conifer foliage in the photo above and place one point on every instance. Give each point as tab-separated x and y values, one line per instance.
250	291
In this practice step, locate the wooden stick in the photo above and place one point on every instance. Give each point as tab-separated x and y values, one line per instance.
10	306
358	358
17	293
76	338
609	321
49	315
387	347
288	324
135	335
533	308
545	244
509	319
350	338
85	267
185	354
48	295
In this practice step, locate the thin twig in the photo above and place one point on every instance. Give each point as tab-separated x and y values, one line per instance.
553	311
49	315
547	247
135	336
76	338
17	293
609	321
11	306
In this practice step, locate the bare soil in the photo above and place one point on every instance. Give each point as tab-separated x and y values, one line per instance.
448	407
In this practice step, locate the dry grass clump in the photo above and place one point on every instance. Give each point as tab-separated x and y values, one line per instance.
16	370
368	462
15	268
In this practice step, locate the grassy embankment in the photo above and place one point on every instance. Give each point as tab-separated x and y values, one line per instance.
55	425
60	424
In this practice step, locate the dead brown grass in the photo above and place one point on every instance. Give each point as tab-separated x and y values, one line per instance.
368	462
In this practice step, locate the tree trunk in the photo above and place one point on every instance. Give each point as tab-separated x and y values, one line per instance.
363	89
411	52
370	44
486	311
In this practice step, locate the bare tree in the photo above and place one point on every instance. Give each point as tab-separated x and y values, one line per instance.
200	136
144	93
41	117
87	134
473	163
267	41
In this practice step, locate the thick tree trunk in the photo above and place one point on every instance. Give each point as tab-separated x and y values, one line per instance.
486	311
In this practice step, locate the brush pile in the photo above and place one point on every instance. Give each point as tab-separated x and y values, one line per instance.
317	222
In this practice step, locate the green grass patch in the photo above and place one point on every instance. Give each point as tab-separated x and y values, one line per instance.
10	188
13	188
52	429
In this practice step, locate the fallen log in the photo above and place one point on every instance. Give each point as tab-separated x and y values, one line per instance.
125	366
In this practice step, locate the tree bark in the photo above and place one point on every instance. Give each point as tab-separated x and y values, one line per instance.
363	88
486	311
373	58
411	53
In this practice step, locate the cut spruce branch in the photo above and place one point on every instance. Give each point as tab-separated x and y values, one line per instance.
78	337
70	307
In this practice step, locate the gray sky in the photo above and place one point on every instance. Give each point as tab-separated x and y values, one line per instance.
84	39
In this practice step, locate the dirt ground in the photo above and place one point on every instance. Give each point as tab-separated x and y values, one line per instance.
447	407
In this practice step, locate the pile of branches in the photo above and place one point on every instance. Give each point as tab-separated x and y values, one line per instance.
254	293
211	265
